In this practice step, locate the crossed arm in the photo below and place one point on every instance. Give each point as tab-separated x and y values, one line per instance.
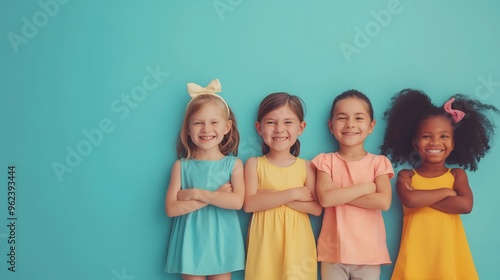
300	198
372	195
458	200
179	202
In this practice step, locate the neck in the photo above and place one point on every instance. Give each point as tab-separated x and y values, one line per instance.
280	156
352	153
432	167
207	155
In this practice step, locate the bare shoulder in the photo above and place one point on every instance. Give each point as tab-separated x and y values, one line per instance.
458	172
251	163
238	164
176	165
252	160
309	164
405	174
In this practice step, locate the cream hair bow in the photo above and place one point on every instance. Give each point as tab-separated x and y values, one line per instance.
214	86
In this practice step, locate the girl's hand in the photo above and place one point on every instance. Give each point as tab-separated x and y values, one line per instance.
185	195
453	192
227	187
371	187
303	194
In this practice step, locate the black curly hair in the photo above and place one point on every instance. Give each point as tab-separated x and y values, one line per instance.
410	107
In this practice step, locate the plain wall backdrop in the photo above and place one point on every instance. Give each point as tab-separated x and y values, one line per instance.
93	93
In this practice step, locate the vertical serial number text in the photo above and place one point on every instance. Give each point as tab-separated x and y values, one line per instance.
11	218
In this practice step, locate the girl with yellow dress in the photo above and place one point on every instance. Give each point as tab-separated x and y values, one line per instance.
280	191
433	241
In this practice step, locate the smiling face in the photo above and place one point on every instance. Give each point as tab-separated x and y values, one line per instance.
434	140
207	127
280	128
351	123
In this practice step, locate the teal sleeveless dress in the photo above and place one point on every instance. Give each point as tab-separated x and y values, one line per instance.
207	241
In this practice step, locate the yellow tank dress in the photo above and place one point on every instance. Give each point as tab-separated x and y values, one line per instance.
281	242
433	243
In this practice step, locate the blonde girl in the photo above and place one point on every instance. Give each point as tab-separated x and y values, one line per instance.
205	190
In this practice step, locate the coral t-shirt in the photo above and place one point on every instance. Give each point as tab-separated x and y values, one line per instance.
351	234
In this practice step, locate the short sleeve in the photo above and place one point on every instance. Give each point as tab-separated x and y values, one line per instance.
384	166
323	162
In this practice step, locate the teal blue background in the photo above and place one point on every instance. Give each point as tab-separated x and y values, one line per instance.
105	219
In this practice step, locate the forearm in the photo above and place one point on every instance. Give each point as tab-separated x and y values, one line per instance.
179	208
227	200
338	196
453	205
376	201
262	201
424	198
312	207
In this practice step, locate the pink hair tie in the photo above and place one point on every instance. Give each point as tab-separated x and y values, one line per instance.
457	115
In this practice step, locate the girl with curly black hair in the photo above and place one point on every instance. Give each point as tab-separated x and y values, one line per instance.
433	242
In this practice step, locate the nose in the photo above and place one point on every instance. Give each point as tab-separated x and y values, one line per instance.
279	127
435	141
205	128
349	124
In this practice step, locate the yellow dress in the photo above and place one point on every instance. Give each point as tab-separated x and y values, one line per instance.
281	242
433	243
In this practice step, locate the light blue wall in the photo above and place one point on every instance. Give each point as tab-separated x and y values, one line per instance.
68	67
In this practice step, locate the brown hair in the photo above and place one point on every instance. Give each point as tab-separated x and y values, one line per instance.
277	100
230	142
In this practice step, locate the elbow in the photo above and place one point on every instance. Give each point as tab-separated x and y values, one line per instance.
385	206
317	212
409	204
170	211
240	202
322	201
467	209
247	208
326	203
237	205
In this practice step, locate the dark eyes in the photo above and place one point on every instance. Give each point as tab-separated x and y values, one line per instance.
429	136
200	123
274	123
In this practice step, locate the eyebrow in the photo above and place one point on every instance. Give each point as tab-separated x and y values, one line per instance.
274	119
357	113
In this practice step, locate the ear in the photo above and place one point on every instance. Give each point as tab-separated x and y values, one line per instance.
229	124
257	127
372	125
414	144
302	126
330	126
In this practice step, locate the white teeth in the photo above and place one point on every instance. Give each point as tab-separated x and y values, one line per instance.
280	138
207	137
434	151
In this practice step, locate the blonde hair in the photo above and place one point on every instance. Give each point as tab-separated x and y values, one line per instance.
230	142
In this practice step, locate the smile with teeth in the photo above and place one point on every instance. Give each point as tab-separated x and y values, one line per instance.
280	138
207	138
350	133
434	151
